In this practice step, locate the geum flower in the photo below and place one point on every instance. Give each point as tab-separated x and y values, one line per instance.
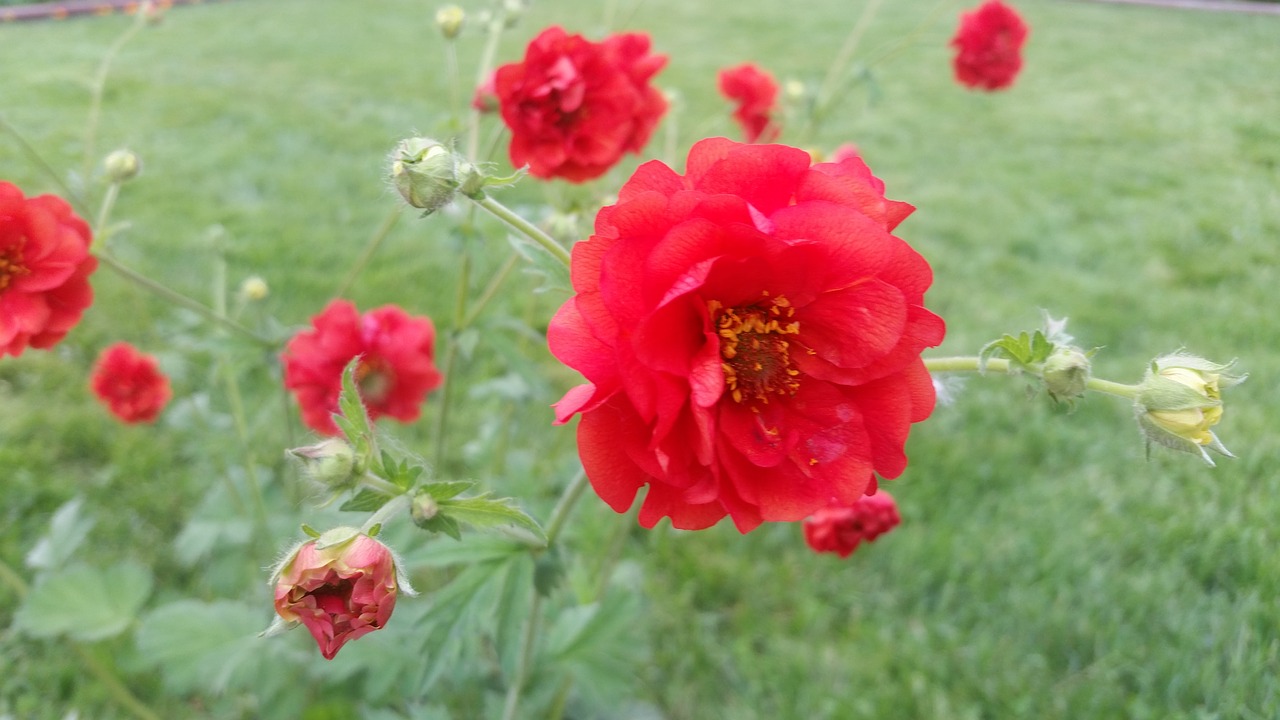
130	384
575	106
395	373
341	586
756	93
988	46
750	333
840	529
44	270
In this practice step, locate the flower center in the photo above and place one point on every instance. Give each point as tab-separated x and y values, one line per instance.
754	349
373	378
11	263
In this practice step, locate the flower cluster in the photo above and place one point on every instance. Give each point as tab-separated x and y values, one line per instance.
750	332
988	46
840	529
130	384
396	369
44	270
575	106
755	91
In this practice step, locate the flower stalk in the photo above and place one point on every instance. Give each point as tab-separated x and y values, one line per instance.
1003	366
524	227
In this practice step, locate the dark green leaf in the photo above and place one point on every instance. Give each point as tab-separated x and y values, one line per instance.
365	501
85	602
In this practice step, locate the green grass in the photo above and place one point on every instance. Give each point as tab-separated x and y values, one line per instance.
1130	180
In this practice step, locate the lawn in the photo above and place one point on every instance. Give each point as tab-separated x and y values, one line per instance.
1046	567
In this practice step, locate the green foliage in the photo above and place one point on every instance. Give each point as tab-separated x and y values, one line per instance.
1023	351
85	602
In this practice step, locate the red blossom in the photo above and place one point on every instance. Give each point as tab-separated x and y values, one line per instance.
841	528
756	92
44	270
341	586
395	373
485	98
751	336
575	106
988	46
129	383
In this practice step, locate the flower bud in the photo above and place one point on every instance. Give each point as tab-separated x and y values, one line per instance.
121	165
423	508
424	172
1180	399
450	19
794	90
471	179
512	10
331	463
254	289
1066	373
341	585
841	528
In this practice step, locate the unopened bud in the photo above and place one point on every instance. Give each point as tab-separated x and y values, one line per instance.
512	10
331	462
424	172
450	19
1066	372
794	90
122	165
423	508
1180	399
254	289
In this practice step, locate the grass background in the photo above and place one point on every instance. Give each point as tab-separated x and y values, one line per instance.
1130	180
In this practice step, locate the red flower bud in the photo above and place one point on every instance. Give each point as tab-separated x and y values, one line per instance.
841	528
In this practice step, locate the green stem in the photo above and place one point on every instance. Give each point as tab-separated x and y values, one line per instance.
71	196
104	211
370	248
99	86
528	641
837	69
386	487
495	283
999	365
236	400
390	509
526	228
1112	388
568	499
496	26
450	358
178	298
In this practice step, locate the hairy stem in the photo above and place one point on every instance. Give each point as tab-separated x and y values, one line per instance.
370	248
98	87
524	227
1002	366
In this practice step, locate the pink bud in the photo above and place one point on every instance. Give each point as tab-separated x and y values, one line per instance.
341	585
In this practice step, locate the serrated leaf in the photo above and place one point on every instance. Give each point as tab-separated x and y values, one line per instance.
446	489
1041	348
349	402
200	646
67	530
365	501
442	524
485	512
85	602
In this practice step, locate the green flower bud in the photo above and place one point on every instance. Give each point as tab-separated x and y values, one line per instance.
450	19
1180	399
423	508
424	172
471	179
254	289
122	165
331	463
1065	373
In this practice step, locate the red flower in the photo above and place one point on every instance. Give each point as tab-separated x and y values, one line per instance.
44	270
989	46
840	528
485	98
750	333
130	384
755	91
574	106
341	586
395	373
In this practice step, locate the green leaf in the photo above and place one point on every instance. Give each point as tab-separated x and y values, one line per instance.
200	646
85	602
67	530
365	501
470	550
446	489
349	402
442	524
485	512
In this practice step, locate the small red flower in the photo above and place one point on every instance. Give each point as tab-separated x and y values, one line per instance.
751	336
44	270
341	586
841	528
129	383
988	46
756	92
395	373
575	106
485	98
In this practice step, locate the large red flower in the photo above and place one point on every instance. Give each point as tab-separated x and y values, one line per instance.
129	383
44	270
840	529
395	373
756	92
988	46
575	106
751	335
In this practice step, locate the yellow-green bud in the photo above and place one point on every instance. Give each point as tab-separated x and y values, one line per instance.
1065	373
423	508
254	289
794	90
471	179
424	172
512	10
331	463
1180	399
122	165
450	19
